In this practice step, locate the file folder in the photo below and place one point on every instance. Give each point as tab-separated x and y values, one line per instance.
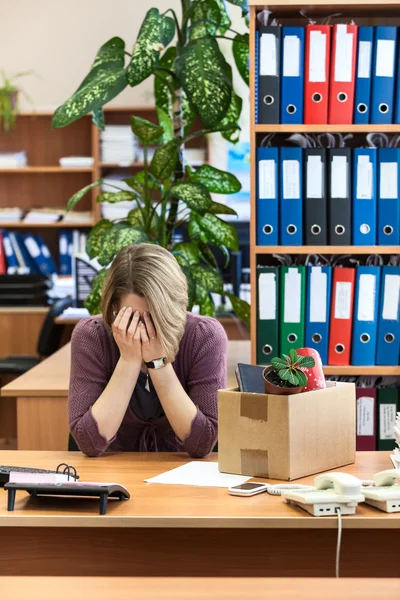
343	74
316	84
12	262
315	203
366	305
50	265
33	248
267	314
364	196
396	117
293	286
65	241
341	316
388	344
388	399
339	206
362	101
366	419
389	196
292	83
319	283
269	67
23	268
267	196
3	262
383	74
291	196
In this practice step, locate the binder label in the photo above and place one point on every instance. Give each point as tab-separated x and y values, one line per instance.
317	71
63	244
267	176
344	54
364	178
291	56
267	296
385	58
32	247
391	298
364	60
268	58
314	177
366	298
365	415
339	177
291	179
388	184
7	246
343	300
387	420
292	304
318	295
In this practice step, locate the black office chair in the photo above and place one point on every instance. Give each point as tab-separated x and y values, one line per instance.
48	342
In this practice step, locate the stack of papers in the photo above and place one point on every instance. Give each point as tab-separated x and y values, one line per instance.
74	216
118	145
76	161
43	215
203	474
11	215
75	313
63	287
396	456
13	159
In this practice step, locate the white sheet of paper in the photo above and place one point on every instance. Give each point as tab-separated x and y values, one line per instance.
385	58
318	293
365	415
203	474
391	297
268	56
364	60
291	179
364	178
367	298
387	420
317	56
267	296
314	177
343	300
388	181
344	54
291	56
339	177
267	176
292	302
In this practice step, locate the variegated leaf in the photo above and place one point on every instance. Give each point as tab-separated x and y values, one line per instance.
225	18
205	302
111	55
194	195
148	133
207	278
98	118
218	232
221	209
93	301
204	75
96	234
243	4
73	201
241	308
186	253
206	19
217	181
164	161
232	117
240	50
119	236
114	197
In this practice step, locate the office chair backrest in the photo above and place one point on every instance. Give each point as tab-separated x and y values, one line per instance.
50	334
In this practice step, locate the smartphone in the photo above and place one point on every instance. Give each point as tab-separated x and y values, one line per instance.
248	489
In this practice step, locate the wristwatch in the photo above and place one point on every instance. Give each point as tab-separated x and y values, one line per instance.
157	363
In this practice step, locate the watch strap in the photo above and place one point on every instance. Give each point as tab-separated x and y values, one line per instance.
157	363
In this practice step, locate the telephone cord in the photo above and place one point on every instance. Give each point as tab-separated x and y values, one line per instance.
339	540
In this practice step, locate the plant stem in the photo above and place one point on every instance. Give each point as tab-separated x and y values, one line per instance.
192	136
179	172
178	28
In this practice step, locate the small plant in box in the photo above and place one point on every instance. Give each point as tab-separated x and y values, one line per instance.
286	375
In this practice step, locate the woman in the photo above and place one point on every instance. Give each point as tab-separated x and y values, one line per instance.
145	374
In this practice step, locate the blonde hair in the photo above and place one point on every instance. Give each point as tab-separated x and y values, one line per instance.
153	273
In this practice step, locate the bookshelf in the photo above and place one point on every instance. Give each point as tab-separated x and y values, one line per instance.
288	13
44	183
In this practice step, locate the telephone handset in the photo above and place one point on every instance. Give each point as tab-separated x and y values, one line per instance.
385	493
333	491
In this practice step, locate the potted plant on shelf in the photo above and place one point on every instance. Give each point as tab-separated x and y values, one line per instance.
9	99
192	78
285	376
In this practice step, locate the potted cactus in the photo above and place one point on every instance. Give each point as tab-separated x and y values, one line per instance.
285	376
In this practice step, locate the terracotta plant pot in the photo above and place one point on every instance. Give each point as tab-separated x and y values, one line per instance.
270	388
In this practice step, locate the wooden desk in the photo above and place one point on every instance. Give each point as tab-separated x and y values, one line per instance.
179	531
42	398
142	588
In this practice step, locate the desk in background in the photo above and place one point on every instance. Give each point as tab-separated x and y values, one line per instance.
142	588
181	531
42	398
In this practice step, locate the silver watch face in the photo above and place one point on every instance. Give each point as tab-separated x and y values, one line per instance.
158	363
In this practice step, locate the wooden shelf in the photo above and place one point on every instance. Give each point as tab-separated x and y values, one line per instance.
135	165
47	170
327	249
353	370
261	128
61	224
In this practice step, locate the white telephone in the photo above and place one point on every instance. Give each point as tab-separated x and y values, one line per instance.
333	491
385	493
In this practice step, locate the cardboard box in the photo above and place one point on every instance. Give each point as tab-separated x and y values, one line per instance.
286	437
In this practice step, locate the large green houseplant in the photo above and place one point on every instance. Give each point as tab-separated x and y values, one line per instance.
191	77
